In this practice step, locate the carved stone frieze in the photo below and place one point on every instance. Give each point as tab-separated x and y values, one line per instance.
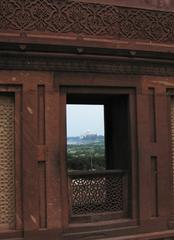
50	63
86	19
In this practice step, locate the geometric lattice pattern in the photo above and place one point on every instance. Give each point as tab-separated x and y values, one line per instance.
7	166
93	193
172	133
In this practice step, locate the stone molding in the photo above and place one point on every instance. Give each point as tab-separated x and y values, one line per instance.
81	64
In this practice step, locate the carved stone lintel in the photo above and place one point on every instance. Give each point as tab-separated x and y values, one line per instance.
50	63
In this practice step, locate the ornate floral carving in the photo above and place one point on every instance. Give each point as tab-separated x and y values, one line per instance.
41	11
88	19
22	18
76	15
7	11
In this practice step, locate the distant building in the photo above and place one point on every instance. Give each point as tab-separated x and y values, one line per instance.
89	136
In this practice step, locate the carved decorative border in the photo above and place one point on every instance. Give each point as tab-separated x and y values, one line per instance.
85	19
50	63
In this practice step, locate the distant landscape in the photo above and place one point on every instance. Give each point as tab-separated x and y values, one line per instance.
86	152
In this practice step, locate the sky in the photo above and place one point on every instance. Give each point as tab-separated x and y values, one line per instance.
83	118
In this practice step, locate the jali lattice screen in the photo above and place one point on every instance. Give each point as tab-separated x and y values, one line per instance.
97	193
172	132
7	162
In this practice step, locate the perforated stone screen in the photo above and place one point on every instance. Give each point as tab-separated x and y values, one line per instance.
96	193
7	162
172	132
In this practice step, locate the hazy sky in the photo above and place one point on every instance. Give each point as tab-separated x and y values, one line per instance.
82	118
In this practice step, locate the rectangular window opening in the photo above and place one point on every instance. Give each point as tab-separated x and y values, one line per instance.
98	154
85	137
